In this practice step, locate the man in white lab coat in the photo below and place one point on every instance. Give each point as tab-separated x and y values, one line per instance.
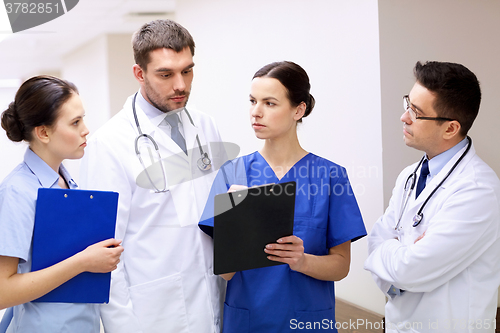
165	281
435	253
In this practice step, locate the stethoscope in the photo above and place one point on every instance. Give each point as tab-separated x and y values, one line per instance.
410	185
204	163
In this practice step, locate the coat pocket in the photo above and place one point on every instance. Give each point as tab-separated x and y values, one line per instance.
160	305
236	319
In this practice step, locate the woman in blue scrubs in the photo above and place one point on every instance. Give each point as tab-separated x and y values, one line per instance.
299	295
48	114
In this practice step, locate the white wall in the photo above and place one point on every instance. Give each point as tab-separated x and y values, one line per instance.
87	68
337	44
102	71
11	153
121	83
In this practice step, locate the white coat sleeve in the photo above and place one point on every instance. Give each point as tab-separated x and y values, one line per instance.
384	229
102	169
463	229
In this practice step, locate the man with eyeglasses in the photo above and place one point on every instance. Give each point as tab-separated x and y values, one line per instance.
435	253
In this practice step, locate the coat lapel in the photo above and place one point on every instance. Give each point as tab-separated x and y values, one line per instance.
440	176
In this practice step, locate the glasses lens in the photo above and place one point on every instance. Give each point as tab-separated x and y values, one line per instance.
407	107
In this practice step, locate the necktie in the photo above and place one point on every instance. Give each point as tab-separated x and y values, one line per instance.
424	171
175	134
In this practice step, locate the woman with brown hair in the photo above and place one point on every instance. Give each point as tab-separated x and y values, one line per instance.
327	219
48	114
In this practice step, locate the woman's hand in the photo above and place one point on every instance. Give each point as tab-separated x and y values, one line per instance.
333	266
235	188
227	276
102	257
17	288
289	250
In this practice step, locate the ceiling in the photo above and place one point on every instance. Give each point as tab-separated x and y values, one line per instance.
40	49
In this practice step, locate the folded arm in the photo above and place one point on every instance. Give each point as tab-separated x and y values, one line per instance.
463	229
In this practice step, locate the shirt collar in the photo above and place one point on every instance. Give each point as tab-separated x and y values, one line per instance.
437	163
65	173
47	177
154	115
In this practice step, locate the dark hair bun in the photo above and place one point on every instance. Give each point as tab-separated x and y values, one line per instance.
36	103
295	80
11	124
310	106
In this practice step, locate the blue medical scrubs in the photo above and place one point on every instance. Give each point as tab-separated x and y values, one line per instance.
18	193
278	299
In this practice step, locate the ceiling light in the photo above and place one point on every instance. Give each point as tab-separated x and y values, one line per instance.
149	15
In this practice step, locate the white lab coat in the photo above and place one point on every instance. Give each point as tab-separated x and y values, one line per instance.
451	276
164	282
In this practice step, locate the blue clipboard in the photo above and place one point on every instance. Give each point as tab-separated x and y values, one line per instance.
66	222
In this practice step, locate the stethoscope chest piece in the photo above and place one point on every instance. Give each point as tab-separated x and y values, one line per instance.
417	218
204	162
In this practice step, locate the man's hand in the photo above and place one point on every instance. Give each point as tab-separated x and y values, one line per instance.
419	238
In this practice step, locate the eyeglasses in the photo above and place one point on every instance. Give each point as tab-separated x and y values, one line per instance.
413	114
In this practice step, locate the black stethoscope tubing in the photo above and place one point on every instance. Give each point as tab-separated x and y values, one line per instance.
413	176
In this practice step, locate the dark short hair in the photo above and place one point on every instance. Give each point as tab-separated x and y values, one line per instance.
160	34
457	91
37	103
294	78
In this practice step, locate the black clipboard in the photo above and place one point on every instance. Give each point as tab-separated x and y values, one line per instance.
246	221
66	222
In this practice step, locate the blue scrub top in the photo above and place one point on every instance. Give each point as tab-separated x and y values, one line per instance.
278	299
18	193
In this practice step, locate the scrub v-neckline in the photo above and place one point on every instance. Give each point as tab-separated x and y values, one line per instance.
286	174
